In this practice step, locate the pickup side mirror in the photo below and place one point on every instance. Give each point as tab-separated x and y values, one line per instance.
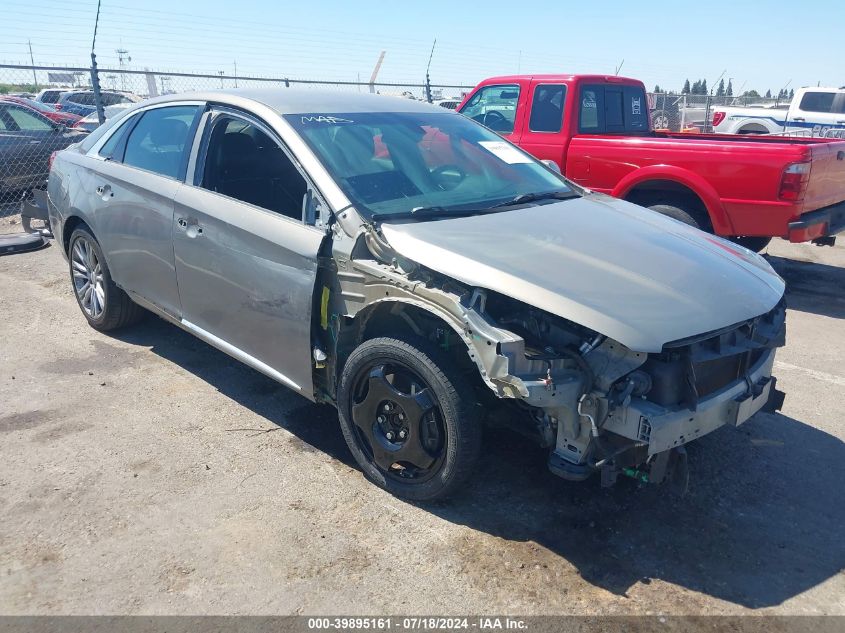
551	165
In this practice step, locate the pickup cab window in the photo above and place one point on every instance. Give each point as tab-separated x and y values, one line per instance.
817	102
612	109
547	108
494	107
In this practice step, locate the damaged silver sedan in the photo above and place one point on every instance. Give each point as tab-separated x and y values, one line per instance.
410	267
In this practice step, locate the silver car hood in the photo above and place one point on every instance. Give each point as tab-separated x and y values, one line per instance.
626	272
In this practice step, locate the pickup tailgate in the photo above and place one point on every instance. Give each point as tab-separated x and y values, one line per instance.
827	175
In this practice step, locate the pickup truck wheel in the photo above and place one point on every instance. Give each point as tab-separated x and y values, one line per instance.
105	306
687	216
752	242
409	418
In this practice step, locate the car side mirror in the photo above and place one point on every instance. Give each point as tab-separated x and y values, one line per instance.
551	165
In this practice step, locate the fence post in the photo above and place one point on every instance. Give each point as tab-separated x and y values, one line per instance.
427	88
95	84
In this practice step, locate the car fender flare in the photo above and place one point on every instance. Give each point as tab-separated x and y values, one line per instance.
692	181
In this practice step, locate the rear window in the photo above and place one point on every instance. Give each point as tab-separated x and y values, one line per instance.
110	98
817	102
82	98
612	109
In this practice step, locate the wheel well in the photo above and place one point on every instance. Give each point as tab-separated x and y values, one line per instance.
753	128
653	192
71	224
401	320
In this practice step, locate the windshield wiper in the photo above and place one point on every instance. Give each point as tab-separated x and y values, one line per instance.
534	197
420	213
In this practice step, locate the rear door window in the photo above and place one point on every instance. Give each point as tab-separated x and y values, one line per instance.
494	106
612	109
547	108
82	98
160	141
817	102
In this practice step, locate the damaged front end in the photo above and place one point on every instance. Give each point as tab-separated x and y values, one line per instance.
612	410
596	404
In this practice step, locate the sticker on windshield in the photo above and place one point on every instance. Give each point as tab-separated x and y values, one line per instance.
322	118
505	152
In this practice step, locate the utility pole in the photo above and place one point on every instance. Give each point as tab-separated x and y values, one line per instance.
427	79
235	63
95	76
221	73
375	72
122	57
32	61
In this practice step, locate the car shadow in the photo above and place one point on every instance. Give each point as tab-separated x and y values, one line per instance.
812	287
760	524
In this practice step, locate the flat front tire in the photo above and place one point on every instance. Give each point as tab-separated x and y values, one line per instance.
409	418
105	306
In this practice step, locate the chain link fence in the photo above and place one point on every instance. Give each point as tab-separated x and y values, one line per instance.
694	113
65	110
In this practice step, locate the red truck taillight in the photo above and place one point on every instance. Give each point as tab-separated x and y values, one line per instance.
718	117
794	181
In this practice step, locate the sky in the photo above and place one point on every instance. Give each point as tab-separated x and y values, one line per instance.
759	45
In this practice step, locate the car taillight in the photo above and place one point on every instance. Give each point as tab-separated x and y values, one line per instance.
50	162
794	181
718	117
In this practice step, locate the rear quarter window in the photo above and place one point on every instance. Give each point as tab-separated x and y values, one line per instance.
611	109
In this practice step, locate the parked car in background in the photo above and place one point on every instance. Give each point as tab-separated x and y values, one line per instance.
50	95
82	102
92	121
812	111
65	118
410	267
27	139
596	129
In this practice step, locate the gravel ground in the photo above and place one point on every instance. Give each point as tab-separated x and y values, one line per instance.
147	473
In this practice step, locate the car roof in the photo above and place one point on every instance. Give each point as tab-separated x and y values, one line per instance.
304	100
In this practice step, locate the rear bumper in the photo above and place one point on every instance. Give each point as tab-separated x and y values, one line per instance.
817	224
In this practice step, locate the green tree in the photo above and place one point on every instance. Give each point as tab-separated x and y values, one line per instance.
686	89
768	94
720	91
704	86
657	88
696	87
751	93
730	89
791	94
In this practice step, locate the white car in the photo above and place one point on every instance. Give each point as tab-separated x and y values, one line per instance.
813	112
92	122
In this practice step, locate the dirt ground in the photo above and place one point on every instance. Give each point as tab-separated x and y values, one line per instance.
147	473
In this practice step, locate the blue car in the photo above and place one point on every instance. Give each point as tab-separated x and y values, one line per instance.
81	102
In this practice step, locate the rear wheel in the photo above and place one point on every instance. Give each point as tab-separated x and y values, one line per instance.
105	306
687	214
409	418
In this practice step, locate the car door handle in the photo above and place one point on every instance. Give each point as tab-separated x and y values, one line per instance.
104	191
183	222
842	122
192	229
799	118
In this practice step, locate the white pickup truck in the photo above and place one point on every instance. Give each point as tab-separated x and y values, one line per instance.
813	112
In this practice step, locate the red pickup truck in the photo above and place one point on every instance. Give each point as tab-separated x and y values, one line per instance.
597	130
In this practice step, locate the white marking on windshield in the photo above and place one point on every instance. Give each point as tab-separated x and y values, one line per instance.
332	120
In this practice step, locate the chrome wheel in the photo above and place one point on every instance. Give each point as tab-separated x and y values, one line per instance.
88	278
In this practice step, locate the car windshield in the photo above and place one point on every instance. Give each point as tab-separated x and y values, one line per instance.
395	164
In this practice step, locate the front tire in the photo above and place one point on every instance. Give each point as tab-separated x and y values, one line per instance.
105	306
409	418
